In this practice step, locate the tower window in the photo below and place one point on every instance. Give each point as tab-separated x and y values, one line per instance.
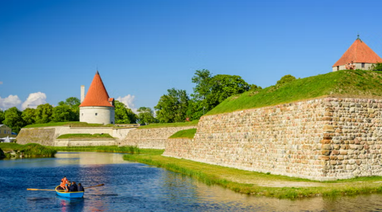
96	114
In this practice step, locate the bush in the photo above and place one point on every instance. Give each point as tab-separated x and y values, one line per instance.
377	67
286	79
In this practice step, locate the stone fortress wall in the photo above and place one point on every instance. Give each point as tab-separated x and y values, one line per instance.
319	139
48	136
44	136
153	138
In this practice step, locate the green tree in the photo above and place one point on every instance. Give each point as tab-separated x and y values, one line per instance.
132	116
224	86
62	113
123	115
210	91
172	107
202	79
286	79
1	116
73	103
255	88
29	115
145	115
195	109
43	113
376	67
13	119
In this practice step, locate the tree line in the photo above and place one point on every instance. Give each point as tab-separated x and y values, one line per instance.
209	91
66	111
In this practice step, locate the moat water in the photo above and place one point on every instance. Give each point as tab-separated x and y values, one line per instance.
138	187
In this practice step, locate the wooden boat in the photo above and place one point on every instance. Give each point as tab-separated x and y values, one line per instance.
70	195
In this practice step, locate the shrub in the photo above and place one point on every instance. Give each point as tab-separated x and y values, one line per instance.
286	79
377	67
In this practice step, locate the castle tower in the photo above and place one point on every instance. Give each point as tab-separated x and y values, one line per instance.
358	56
97	107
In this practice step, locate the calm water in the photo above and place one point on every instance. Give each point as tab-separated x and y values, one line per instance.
138	187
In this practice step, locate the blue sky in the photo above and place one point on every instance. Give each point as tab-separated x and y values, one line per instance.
48	49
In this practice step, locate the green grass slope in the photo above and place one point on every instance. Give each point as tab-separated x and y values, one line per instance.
190	133
346	83
176	124
70	123
85	135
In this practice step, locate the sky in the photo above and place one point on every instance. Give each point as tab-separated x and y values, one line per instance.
141	48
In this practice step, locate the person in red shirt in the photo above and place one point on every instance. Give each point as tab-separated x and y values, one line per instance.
64	181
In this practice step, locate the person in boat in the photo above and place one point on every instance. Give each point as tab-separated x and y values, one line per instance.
80	188
73	187
63	183
67	186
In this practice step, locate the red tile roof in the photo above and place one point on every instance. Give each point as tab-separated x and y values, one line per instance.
358	52
97	94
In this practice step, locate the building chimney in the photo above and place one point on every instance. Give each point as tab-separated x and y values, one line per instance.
82	93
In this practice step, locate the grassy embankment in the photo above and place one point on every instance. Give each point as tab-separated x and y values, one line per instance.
72	124
85	135
13	150
122	149
344	83
189	133
176	124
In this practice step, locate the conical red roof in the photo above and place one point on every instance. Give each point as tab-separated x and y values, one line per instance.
358	52
97	94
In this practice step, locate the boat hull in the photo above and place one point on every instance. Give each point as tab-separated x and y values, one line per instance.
70	195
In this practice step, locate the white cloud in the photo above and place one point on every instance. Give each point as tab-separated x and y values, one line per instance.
33	100
1	82
128	101
10	101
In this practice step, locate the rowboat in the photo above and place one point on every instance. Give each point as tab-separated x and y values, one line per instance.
70	195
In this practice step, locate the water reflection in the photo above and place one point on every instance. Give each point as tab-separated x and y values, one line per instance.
67	205
89	158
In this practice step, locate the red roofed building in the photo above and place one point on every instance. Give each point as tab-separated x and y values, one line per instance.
97	107
358	56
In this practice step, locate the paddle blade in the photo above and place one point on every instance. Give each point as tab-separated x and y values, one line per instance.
95	186
37	189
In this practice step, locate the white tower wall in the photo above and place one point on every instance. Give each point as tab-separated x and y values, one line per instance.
97	115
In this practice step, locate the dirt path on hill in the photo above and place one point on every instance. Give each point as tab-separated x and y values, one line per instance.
296	184
290	184
276	183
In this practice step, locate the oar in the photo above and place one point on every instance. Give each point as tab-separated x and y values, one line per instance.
95	186
37	189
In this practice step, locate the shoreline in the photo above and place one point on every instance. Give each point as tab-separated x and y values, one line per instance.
259	184
19	151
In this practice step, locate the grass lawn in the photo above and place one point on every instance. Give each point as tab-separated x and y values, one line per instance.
177	124
189	133
259	184
85	135
71	124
